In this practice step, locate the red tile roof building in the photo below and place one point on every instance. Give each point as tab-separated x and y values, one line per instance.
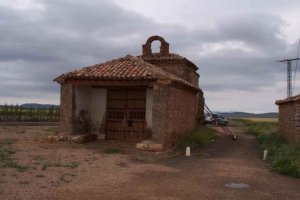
289	118
128	68
153	96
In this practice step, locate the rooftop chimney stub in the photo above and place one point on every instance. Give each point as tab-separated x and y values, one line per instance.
164	46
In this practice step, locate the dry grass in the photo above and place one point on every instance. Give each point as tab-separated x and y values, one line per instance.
262	119
255	127
86	171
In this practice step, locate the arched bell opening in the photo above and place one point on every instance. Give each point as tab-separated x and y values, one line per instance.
164	46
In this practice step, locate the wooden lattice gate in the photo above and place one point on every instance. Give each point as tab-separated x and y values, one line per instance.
125	118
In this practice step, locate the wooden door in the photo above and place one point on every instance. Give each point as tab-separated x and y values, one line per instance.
126	112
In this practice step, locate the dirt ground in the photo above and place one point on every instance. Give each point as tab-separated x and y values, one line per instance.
112	170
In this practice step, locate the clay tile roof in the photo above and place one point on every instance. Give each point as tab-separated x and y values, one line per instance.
288	100
126	68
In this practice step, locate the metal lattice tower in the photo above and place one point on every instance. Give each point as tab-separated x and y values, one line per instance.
289	79
289	75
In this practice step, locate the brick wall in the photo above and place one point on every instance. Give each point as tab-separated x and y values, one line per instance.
164	48
297	122
174	113
182	70
181	115
179	66
289	121
67	108
200	111
159	111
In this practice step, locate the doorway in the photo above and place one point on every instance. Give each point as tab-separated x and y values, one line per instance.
125	115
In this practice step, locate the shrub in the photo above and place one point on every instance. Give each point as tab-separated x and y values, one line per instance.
6	142
6	155
112	150
283	158
72	165
195	138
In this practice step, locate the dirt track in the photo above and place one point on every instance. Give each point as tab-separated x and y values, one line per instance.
118	176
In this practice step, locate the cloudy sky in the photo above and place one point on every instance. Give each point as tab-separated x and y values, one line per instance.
235	44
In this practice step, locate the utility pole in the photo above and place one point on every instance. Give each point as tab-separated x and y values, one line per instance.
289	75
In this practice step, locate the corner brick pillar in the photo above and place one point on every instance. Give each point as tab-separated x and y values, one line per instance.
200	111
297	122
281	120
159	112
67	108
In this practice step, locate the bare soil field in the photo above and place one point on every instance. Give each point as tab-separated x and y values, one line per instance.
32	169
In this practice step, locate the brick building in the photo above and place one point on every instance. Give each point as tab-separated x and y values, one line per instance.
289	118
152	96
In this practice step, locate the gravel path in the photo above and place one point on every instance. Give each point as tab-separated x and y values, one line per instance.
225	161
118	176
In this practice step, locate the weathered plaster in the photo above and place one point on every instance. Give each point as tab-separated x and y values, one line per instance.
93	100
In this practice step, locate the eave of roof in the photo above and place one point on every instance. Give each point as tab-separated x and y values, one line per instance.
128	68
288	100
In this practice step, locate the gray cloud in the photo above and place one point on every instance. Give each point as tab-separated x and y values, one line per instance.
235	50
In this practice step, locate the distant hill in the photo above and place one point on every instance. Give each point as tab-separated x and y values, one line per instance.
248	115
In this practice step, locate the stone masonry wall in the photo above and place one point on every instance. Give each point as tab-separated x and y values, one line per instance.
67	109
287	122
174	113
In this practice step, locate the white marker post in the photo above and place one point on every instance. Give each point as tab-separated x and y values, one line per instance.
188	151
265	155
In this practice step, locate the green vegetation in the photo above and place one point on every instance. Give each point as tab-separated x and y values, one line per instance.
63	177
39	175
52	130
72	165
39	158
52	164
283	157
6	141
6	155
24	182
112	150
254	127
195	138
